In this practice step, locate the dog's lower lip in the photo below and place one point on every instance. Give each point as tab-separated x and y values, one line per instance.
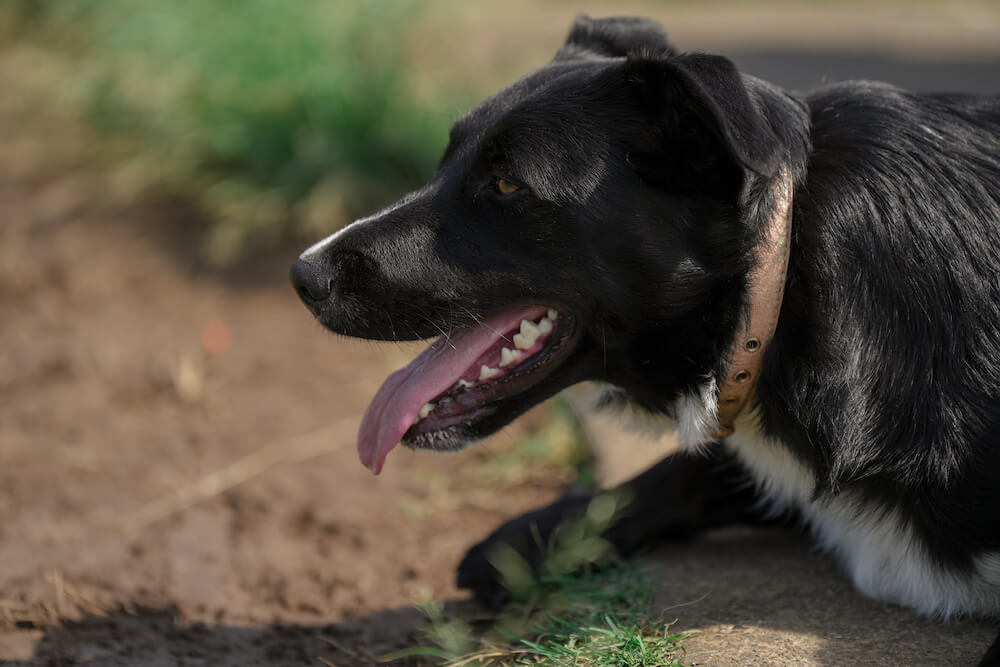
468	406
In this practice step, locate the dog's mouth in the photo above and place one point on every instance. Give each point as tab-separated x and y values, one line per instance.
461	378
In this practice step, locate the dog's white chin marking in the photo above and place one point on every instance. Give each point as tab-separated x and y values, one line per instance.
694	415
883	557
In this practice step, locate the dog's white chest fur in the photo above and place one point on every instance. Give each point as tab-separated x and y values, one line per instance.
884	558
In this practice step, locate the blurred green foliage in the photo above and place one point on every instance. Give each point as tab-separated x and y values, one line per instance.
280	119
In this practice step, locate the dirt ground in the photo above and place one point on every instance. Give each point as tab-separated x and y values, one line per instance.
178	478
179	485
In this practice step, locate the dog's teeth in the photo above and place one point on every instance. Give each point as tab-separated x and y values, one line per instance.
545	325
507	357
553	315
424	411
529	334
485	372
464	384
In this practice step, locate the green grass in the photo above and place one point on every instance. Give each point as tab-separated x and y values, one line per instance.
557	449
583	606
583	609
280	119
600	618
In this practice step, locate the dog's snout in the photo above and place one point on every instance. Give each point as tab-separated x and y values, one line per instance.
311	282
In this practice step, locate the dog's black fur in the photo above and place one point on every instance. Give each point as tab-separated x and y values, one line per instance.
644	188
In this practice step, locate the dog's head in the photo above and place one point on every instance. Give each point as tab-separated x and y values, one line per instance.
588	222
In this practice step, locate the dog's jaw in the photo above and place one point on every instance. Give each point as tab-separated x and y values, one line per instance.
462	378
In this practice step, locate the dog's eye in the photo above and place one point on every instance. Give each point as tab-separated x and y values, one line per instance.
505	187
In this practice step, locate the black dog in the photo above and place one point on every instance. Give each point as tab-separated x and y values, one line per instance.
623	214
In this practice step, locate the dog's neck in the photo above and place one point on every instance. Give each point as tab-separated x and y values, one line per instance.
766	290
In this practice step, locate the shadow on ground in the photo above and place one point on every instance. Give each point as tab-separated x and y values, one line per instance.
757	597
152	637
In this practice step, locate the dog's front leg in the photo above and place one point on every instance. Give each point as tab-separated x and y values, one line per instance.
676	498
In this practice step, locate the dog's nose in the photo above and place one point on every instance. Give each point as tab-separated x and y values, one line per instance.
311	282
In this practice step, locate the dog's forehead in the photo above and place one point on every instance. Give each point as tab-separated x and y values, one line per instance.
555	83
545	130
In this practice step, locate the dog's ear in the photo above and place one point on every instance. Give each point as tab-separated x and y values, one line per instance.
614	37
705	117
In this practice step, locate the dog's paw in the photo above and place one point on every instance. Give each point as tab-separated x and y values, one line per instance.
477	574
485	570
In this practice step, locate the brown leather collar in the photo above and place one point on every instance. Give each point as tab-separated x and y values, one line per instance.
767	288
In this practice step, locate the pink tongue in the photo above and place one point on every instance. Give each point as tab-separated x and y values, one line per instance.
438	368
